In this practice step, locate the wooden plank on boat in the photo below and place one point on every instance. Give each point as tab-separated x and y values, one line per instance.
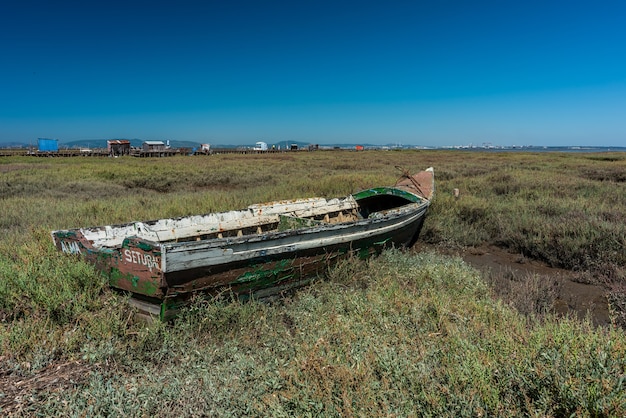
263	247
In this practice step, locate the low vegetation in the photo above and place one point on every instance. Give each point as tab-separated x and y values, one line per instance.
404	334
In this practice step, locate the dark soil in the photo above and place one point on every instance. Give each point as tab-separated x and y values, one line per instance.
570	297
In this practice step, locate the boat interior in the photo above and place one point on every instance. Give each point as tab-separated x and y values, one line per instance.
256	219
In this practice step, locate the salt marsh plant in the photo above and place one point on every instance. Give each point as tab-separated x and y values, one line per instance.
402	334
406	335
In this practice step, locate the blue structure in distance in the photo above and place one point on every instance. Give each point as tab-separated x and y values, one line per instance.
45	144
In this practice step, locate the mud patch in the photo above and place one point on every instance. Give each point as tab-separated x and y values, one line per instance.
557	287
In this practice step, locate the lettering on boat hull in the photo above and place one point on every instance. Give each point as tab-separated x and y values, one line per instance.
70	247
262	249
151	262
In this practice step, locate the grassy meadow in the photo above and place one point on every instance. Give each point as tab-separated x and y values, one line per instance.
403	334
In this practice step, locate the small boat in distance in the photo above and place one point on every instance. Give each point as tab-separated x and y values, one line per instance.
261	250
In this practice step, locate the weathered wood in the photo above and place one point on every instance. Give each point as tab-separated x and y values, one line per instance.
269	245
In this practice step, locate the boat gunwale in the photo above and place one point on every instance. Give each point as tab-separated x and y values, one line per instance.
100	244
246	249
173	257
271	235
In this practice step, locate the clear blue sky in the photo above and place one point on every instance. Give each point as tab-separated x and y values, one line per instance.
413	72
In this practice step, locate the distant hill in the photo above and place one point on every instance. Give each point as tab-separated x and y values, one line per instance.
136	142
15	144
282	144
288	144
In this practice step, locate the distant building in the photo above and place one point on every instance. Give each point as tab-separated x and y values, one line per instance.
260	146
118	147
48	145
154	146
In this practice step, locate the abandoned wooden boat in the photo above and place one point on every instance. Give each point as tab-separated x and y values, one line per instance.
263	248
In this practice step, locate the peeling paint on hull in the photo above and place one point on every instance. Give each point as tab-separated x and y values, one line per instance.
264	248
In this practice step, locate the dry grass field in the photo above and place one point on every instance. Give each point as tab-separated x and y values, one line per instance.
414	333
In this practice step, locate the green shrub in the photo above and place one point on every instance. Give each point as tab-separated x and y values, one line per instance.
401	334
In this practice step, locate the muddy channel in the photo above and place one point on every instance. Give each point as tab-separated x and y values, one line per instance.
569	296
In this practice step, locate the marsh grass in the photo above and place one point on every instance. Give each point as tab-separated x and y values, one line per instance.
414	335
543	206
531	294
402	334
